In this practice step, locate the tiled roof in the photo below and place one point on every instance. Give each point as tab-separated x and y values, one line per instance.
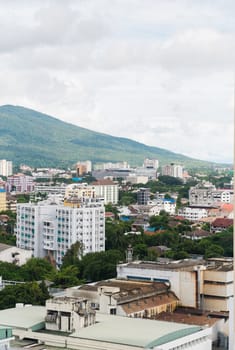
149	303
222	222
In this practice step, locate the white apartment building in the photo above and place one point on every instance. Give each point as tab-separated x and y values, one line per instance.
193	214
174	170
107	190
49	229
6	167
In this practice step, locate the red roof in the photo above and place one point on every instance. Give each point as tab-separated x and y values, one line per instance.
222	222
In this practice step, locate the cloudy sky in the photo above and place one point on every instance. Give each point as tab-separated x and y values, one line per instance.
157	71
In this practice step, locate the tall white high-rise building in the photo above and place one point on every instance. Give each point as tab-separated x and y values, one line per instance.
49	229
6	167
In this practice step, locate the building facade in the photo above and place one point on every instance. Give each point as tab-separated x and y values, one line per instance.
6	167
49	229
3	201
209	196
107	190
174	170
20	183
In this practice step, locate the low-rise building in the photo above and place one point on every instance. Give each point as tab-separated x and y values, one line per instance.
128	298
14	255
109	332
197	283
192	213
221	224
66	314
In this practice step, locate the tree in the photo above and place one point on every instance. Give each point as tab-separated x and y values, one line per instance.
214	251
36	269
101	265
27	293
72	255
140	250
67	277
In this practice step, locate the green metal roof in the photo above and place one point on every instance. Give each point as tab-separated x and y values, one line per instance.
173	336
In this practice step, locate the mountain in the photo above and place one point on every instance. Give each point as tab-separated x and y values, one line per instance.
36	139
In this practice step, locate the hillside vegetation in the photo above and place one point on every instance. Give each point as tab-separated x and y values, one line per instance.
27	136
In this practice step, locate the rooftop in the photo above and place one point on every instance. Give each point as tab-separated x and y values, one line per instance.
186	265
134	331
24	317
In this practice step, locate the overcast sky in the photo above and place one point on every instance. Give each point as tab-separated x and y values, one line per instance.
157	71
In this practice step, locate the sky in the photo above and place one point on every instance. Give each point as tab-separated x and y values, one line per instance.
160	72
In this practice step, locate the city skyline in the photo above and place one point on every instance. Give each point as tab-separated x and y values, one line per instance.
155	72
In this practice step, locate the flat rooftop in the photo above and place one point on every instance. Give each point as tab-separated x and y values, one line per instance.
134	331
22	317
186	265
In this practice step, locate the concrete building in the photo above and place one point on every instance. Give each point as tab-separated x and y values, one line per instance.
83	167
58	189
128	298
66	314
183	276
82	190
173	170
204	196
6	167
218	285
5	338
166	204
20	183
107	190
151	163
110	165
109	332
137	179
14	255
3	202
143	196
197	283
49	228
192	213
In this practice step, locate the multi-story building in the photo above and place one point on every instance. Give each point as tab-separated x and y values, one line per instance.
20	183
209	196
3	201
49	228
151	163
174	170
109	165
83	167
143	196
49	189
203	284
193	214
6	167
80	191
107	190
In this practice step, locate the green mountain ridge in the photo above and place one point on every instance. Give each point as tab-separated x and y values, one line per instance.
37	139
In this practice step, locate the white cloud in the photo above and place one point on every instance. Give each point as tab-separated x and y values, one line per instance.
159	72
